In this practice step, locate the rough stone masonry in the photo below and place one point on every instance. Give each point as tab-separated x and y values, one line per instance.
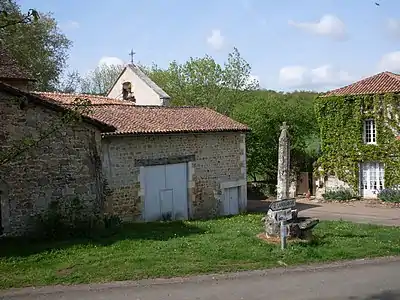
282	189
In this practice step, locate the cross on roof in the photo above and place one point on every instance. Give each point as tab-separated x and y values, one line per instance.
131	54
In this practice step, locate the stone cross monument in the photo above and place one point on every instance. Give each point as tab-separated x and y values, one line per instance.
274	216
281	218
282	189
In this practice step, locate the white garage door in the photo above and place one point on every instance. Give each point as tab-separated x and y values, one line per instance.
165	189
230	201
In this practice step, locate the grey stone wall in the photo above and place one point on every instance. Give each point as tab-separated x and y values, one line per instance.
64	166
329	183
213	159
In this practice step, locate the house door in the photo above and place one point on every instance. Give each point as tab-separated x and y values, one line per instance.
166	194
230	203
372	179
303	183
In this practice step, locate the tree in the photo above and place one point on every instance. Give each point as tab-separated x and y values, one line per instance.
230	89
6	20
70	84
35	41
203	82
101	79
265	114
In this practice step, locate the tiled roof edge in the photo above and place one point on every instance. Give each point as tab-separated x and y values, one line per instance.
116	133
149	82
54	105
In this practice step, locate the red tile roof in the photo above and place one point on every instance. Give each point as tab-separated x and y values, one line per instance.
65	98
129	118
158	119
381	83
9	68
53	105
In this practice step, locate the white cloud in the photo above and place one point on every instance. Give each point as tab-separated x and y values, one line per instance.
70	25
292	76
320	78
216	40
329	25
390	62
393	26
110	60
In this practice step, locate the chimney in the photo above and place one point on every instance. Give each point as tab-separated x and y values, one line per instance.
11	73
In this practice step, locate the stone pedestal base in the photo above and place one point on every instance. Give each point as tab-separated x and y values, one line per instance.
295	228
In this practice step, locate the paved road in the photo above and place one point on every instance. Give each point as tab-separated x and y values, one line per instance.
360	280
354	212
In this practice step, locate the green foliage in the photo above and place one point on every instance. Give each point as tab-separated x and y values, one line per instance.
390	195
69	83
35	41
259	190
341	118
100	80
230	89
112	222
264	114
204	82
66	219
7	19
340	194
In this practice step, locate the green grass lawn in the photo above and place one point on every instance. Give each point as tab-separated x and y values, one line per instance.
176	249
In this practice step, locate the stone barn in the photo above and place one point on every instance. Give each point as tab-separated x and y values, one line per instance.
141	163
175	162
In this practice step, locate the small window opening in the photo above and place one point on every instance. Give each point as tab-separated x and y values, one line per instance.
127	93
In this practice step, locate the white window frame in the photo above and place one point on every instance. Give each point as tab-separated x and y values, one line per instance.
369	131
372	181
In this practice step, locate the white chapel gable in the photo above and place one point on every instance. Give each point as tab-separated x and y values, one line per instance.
134	85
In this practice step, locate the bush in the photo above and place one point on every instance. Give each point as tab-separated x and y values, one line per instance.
341	194
259	190
68	219
390	195
112	222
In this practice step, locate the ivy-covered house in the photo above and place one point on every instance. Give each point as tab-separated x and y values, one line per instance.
360	136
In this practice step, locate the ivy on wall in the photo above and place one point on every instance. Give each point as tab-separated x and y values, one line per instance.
341	120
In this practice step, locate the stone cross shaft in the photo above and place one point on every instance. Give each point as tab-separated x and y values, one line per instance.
283	185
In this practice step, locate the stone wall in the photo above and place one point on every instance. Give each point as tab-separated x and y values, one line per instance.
329	183
64	166
215	160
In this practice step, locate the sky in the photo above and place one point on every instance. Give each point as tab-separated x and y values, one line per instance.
290	44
